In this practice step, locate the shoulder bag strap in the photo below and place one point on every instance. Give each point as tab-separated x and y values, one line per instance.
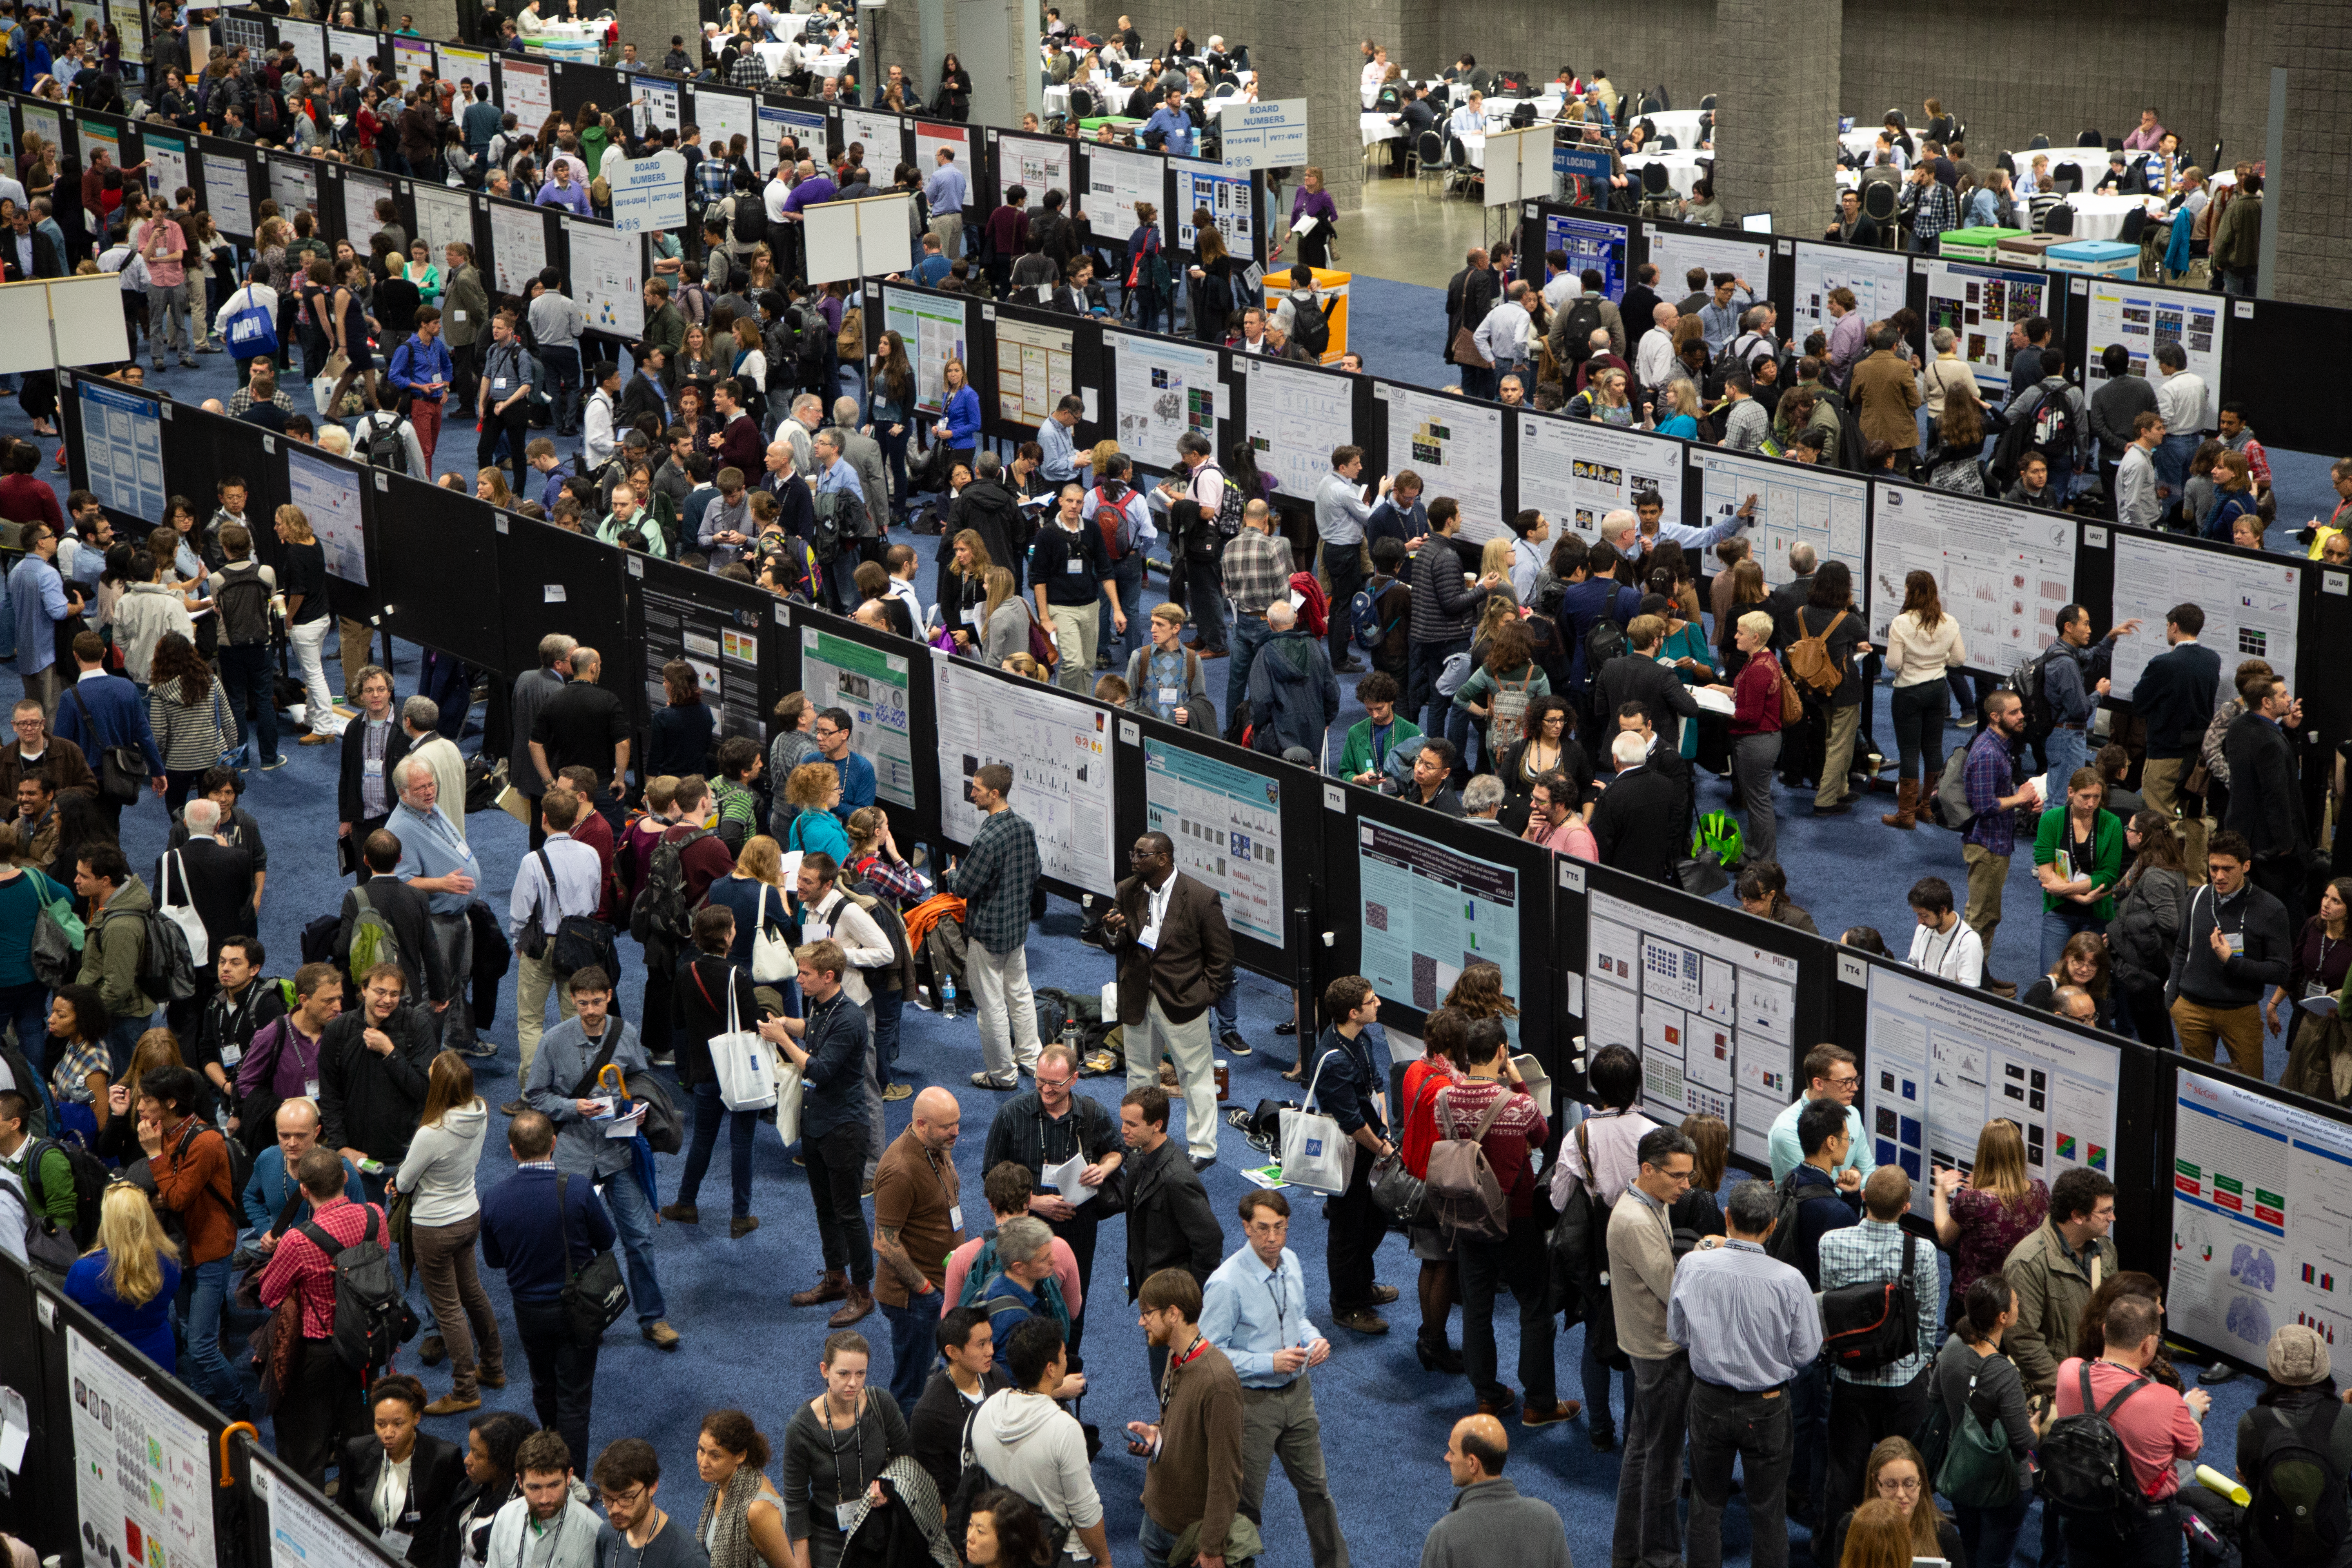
563	1230
553	905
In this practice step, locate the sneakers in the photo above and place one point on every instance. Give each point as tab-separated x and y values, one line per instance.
1235	1046
272	766
1001	1086
897	1091
1364	1321
660	1335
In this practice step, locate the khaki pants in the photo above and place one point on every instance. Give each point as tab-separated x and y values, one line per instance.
2159	786
357	641
1076	628
1837	754
1987	874
948	229
1191	1046
2240	1028
533	980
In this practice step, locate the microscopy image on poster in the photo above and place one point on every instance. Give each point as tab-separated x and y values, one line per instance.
142	1471
1227	825
1164	389
2251	604
2144	318
1430	912
1059	751
1592	243
1576	472
1980	304
871	686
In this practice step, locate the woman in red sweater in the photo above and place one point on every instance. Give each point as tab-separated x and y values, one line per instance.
1443	1037
1756	733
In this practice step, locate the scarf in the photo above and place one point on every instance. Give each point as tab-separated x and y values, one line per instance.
730	1538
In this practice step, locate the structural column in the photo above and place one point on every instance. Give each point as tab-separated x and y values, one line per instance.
2305	200
1777	109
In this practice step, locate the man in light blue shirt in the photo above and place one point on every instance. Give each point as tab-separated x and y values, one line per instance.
837	476
1751	1327
1254	1309
1340	513
435	860
946	191
1872	1402
1470	120
1063	459
1172	123
1830	1073
1719	316
1651	522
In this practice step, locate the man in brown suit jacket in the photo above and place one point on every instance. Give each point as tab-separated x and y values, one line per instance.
1884	392
1175	957
54	758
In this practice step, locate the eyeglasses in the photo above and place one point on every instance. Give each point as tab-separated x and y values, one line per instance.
1848	1080
1907	1484
622	1499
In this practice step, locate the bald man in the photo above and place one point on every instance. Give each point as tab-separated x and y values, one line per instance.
1655	357
916	1223
1489	1520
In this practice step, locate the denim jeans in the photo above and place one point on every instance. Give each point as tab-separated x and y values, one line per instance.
1248	635
564	370
1595	1371
247	671
2065	750
741	1125
2059	924
1754	1428
835	1162
202	1299
1129	577
914	1345
888	1005
1988	1535
632	1217
26	1006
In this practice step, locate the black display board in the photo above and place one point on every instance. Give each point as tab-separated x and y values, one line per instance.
723	628
576	87
551	580
2265	346
438	573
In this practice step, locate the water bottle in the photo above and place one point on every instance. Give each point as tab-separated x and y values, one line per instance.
1071	1034
947	996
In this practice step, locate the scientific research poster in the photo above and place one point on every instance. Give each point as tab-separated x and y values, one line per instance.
1591	243
1115	181
2261	1218
293	186
1297	417
2251	604
518	243
329	494
933	137
1940	1064
1035	163
1980	304
122	442
523	89
933	331
361	192
1227	825
1059	751
1165	388
2144	318
465	67
1708	1015
1878	279
883	135
360	49
303	1535
2003	570
608	276
1575	471
143	1470
872	685
228	196
1033	369
443	218
309	41
1206	188
1795	504
1456	445
411	59
723	646
1674	254
167	163
723	116
1430	912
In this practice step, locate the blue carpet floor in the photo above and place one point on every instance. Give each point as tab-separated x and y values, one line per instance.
1386	1419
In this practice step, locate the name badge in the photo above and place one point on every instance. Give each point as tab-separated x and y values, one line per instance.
2310	988
971	616
955	1217
498	384
815	930
310	1087
395	1542
2237	940
844	1515
231	1054
1170	696
1073	567
371	767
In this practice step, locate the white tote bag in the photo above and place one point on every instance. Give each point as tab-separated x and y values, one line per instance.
183	913
746	1064
1315	1153
771	954
788	1100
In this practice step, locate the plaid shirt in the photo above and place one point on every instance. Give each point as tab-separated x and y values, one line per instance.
716	176
1991	773
1257	571
243	400
1867	1253
1938	211
750	70
994	879
299	1265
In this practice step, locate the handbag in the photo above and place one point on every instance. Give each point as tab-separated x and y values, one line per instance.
1315	1153
252	330
1040	644
594	1297
745	1064
1465	350
122	770
1400	1194
771	955
1977	1469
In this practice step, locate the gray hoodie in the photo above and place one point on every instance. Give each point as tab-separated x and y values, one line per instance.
1036	1447
439	1168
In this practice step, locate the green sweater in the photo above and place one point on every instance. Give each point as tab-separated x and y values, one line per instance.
1355	757
2106	867
55	1180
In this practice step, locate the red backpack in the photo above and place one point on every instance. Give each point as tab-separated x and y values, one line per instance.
1315	614
1111	518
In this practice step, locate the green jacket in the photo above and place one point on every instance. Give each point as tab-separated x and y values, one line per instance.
666	330
110	954
2052	1291
1355	757
55	1182
465	307
2107	858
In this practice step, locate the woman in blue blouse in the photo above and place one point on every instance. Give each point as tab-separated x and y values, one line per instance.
129	1279
959	424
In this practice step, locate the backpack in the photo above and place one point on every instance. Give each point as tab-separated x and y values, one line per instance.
751	223
2016	440
45	1246
1310	329
1228	519
2085	1470
825	540
381	445
1809	663
239	1161
1364	614
1603	640
1783	1242
2298	1514
578	941
661	904
2053	431
1575	329
1463	1195
1111	520
1950	800
371	1318
1506	709
166	972
242	600
1868	1326
373	939
2030	681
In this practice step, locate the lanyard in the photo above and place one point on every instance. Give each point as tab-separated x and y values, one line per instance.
1045	1122
1273	1283
1177	1363
857	1443
522	1537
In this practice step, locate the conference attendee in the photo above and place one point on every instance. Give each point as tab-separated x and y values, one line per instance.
566	1083
1886	1401
1642	1282
1998	788
2078	855
2236	943
916	1223
435	860
1349	1071
2265	800
1488	1520
531	690
1043	1130
966	1377
996	877
41	603
1832	1074
1751	1328
444	1222
1293	696
2139	490
2158	1428
33	749
546	1526
1193	1482
1340	513
582	724
373	1070
322	1405
1167	930
1429	782
1884	391
1924	649
1169	1222
2174	698
130	1278
2055	1270
538	1258
848	1434
1638	828
398	910
1029	1442
742	1513
1978	1381
561	878
1941	943
399	1483
2073	682
829	1045
1638	675
627	1478
1553	820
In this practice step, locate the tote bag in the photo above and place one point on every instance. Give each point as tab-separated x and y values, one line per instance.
745	1063
183	913
252	328
1315	1153
771	955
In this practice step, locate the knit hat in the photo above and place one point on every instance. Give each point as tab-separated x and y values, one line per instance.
2298	1357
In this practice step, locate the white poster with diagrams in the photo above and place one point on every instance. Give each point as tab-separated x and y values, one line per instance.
361	192
656	106
1297	417
1940	1064
1709	1016
1036	165
1059	751
1033	368
443	218
466	68
304	1535
309	41
2261	1218
1879	280
723	116
2251	604
1674	254
329	494
1456	445
1429	913
1164	389
293	184
46	123
228	195
518	246
1206	188
608	276
872	685
167	165
1227	825
1576	472
524	91
1795	504
2144	318
1979	304
1115	181
884	136
2004	571
354	49
933	329
142	1471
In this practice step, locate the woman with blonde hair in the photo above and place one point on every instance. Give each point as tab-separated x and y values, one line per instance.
1923	647
813	791
445	1218
1005	618
1980	1218
302	579
755	891
1897	1505
490	485
962	589
128	1280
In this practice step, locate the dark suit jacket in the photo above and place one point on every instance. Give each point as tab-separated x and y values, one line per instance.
2264	803
1170	1223
1631	677
642	396
347	786
1637	826
437	1469
411	915
219	883
1784	602
1636	309
1193	963
2174	698
46	263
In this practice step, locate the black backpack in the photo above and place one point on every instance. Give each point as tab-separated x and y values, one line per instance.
381	443
751	225
44	1244
2030	681
2015	440
1310	329
1783	1244
1864	1327
1603	640
577	942
1576	329
166	972
371	1320
661	905
2298	1515
242	599
2085	1470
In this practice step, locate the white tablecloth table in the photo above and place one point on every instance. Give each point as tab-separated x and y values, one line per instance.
1682	168
1681	124
2092	160
2101	217
1862	141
